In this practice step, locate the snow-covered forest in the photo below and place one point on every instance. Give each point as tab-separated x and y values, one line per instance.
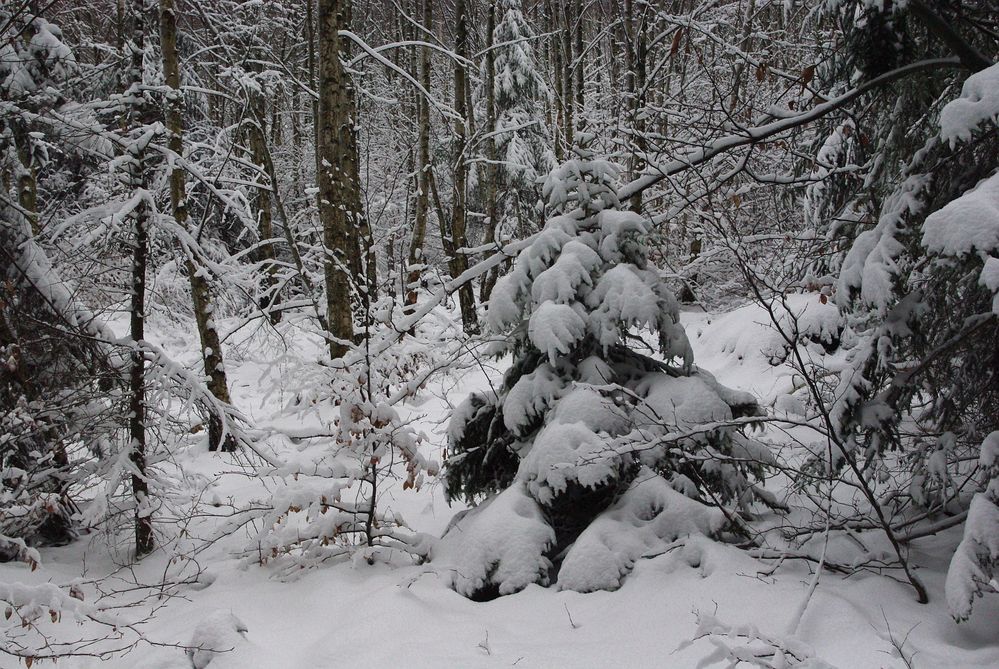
481	333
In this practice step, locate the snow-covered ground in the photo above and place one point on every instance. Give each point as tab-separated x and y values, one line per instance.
361	615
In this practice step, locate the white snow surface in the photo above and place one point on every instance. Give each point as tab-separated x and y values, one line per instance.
645	520
357	615
968	224
977	104
502	547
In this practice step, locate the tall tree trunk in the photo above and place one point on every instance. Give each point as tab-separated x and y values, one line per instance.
636	48
745	43
492	170
140	217
335	125
416	244
256	134
567	78
211	348
310	39
579	69
459	262
557	68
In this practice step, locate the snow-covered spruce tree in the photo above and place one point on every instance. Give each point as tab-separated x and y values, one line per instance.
921	392
523	145
47	370
34	64
591	453
859	155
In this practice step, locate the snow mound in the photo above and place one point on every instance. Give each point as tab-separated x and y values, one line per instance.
564	453
681	402
501	543
217	635
646	519
978	104
587	406
749	333
965	225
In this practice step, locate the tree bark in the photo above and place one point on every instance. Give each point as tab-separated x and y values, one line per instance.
140	216
567	78
578	59
492	170
459	261
559	77
636	48
256	135
334	128
211	348
416	245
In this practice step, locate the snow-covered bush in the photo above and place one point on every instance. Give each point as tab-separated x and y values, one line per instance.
921	289
325	506
975	565
589	443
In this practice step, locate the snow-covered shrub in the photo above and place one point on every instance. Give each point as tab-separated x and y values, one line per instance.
736	645
583	421
975	565
325	507
52	378
920	288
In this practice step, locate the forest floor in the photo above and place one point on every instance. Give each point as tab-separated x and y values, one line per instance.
349	615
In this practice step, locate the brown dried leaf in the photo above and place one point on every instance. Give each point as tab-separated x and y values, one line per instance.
807	75
677	36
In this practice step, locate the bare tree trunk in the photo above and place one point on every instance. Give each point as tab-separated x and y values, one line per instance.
257	139
140	216
310	38
744	45
579	70
459	262
566	74
636	49
557	68
211	348
335	125
416	244
492	169
363	259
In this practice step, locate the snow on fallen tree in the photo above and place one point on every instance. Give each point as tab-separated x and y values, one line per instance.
587	433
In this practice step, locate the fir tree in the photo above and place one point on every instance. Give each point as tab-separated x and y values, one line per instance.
522	141
586	430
